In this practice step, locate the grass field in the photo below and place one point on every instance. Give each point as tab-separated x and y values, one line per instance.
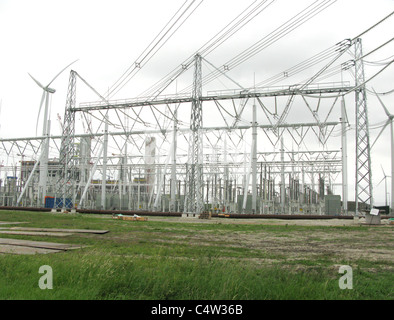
170	258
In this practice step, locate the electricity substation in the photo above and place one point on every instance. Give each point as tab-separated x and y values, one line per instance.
277	147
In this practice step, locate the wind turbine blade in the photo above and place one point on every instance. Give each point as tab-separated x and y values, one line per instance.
384	127
39	110
384	174
381	102
36	81
61	72
381	181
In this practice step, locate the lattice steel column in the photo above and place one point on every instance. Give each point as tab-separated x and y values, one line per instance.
363	156
67	160
194	197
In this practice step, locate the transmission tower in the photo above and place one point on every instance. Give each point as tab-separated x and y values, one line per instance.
363	156
67	159
194	197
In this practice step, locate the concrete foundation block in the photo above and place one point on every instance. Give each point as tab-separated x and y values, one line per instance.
371	219
190	215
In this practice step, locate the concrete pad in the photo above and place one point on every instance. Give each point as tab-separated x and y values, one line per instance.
39	244
11	249
32	233
58	230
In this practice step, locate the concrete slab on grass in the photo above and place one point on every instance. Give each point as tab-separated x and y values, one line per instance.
58	230
39	244
32	233
11	249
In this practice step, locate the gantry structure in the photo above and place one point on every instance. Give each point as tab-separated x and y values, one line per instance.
261	149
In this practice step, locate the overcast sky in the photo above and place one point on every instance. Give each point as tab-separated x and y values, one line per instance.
41	37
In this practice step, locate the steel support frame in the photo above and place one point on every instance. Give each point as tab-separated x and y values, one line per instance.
363	186
67	172
194	199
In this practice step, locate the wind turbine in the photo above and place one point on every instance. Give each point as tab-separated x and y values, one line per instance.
389	120
385	184
45	132
45	96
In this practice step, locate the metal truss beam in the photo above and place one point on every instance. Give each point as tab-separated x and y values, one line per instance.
165	131
245	94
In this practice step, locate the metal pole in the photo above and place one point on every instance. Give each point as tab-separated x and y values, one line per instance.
226	176
282	176
303	198
344	158
254	161
104	177
29	179
173	169
139	190
120	181
90	178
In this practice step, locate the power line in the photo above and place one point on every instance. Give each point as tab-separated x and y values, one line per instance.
374	26
287	27
138	59
223	35
302	66
157	43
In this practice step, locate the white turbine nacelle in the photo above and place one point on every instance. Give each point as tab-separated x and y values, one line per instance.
44	97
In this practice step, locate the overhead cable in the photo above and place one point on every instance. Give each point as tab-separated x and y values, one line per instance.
158	42
289	26
240	21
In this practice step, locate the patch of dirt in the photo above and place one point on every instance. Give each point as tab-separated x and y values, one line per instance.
372	243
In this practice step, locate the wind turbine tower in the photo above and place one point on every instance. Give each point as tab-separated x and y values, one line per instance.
42	184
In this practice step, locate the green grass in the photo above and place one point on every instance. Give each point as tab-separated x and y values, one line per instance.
171	260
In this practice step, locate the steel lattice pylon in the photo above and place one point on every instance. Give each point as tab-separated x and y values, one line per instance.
194	198
363	156
64	186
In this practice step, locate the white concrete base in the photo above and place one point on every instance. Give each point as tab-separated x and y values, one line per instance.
371	219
